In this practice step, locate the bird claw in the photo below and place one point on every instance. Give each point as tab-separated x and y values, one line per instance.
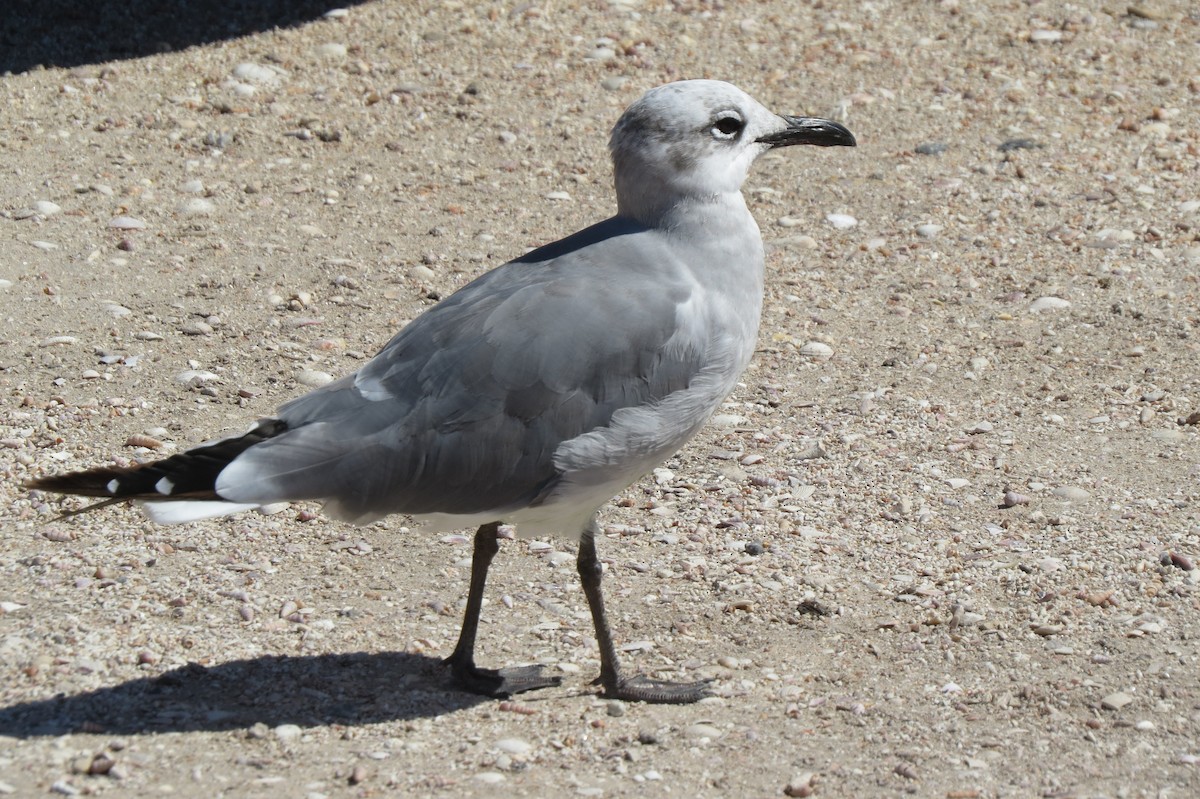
501	683
640	688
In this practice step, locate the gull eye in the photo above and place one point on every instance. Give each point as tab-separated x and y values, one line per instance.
727	127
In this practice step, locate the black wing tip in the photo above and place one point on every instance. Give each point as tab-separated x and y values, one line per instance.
89	483
188	475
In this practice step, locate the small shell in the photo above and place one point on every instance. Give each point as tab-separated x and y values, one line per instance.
59	536
817	350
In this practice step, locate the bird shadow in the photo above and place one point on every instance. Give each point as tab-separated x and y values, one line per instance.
70	33
356	688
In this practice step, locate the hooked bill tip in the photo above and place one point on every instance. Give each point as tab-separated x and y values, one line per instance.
811	130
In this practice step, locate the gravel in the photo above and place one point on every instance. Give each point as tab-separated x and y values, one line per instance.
941	540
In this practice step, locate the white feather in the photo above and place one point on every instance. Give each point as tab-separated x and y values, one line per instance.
191	510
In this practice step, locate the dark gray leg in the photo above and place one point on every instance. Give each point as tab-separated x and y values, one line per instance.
637	687
489	682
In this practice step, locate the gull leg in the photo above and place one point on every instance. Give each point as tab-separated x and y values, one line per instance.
488	682
616	686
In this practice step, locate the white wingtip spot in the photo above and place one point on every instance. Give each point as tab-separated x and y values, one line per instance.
164	487
113	485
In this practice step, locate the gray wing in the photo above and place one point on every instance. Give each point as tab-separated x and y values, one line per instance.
462	411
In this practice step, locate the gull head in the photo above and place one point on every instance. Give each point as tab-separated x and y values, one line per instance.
694	141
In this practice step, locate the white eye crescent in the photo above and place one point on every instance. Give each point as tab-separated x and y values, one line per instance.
727	126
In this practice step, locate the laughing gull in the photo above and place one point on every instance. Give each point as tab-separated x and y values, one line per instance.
538	391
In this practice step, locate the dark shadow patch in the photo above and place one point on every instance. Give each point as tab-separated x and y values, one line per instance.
70	33
357	688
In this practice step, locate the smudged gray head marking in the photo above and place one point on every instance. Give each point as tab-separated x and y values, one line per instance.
695	140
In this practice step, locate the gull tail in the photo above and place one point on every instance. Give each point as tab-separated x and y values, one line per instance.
180	488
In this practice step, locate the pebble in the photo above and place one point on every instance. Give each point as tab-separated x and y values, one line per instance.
197	206
257	73
841	221
802	242
1117	235
1177	560
196	329
1048	304
47	208
220	139
931	148
1115	701
702	731
929	231
817	350
192	187
1042	35
126	223
1145	11
490	777
332	50
1009	145
514	746
557	559
957	482
800	785
1071	494
287	732
195	375
313	378
728	420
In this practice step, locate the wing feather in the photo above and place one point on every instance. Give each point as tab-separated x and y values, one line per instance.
463	410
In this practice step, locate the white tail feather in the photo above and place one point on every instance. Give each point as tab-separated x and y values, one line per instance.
181	511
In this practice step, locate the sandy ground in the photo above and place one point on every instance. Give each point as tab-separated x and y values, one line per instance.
949	553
